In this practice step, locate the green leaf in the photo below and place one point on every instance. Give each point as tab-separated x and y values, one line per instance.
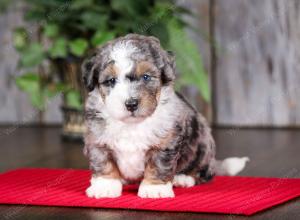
101	37
94	20
32	56
20	38
51	30
73	99
4	4
30	84
37	101
188	60
79	4
131	8
160	31
54	89
163	10
35	15
78	47
59	48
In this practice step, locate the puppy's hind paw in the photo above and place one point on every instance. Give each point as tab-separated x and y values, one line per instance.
104	188
147	190
183	180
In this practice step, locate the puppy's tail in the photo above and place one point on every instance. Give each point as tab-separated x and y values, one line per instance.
230	166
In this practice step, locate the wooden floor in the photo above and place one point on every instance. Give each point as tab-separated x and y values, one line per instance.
272	152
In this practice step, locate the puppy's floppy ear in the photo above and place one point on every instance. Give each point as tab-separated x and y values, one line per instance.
165	60
170	67
171	57
89	73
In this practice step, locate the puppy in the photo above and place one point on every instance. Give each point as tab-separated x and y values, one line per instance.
139	128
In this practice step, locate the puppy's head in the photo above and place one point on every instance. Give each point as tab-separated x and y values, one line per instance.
129	74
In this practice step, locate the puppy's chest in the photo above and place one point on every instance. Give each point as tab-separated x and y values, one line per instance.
129	145
130	163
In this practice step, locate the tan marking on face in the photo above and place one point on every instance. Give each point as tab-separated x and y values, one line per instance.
149	94
144	67
102	93
148	102
111	70
158	95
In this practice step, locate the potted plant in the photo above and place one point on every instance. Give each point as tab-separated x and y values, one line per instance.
66	31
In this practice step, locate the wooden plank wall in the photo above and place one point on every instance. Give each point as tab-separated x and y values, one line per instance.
201	36
14	105
256	77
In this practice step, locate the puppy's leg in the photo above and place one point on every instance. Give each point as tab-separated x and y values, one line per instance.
105	181
159	173
194	165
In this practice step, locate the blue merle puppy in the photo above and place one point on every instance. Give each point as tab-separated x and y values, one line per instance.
139	128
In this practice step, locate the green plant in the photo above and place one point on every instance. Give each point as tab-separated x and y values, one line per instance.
68	29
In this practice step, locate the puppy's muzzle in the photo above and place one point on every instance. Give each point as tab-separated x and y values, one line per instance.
132	104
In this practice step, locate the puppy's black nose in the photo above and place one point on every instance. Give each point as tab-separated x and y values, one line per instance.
132	104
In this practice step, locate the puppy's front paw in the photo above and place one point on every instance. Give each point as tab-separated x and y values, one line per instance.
104	188
147	190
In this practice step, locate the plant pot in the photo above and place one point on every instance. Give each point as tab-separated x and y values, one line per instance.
73	124
69	71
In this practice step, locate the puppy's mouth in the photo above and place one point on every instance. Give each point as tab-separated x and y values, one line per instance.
133	117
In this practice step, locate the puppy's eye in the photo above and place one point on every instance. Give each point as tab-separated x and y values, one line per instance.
146	77
110	82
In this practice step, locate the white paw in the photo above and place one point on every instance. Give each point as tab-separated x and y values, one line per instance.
104	188
156	190
183	180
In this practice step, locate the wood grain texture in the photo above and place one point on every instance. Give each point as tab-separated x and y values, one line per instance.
201	35
257	62
15	107
13	102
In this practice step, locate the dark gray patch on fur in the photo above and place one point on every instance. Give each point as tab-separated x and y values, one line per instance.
204	174
89	79
98	158
92	114
193	164
132	77
164	163
164	79
195	129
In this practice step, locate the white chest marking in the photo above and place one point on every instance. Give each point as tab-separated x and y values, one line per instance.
130	142
131	163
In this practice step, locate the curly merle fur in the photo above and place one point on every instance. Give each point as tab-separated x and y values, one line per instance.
164	137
